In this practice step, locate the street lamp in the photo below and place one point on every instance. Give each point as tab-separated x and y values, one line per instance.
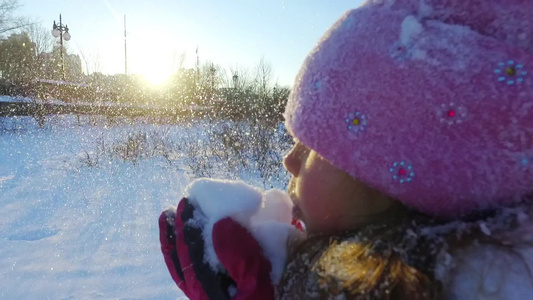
63	34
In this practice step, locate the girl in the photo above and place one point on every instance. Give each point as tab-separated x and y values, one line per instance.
413	163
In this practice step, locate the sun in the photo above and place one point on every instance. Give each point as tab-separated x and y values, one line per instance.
155	62
156	75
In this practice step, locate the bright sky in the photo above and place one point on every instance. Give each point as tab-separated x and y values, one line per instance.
230	33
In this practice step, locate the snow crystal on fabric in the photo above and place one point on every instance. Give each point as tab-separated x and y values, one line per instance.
410	29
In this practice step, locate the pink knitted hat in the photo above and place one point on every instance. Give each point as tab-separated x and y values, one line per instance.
430	102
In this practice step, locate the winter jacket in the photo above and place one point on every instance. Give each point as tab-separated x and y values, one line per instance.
483	271
489	259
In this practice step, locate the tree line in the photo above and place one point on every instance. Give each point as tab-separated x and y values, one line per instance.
31	65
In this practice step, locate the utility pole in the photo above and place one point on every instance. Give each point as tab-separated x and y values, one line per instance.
125	49
213	70
197	66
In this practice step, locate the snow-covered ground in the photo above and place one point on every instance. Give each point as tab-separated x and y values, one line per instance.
14	99
70	231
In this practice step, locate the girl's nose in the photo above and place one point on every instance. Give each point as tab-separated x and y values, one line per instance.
293	159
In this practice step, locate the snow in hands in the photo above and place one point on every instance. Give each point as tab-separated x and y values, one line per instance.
267	215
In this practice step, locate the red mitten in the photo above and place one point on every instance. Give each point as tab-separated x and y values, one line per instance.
229	241
183	247
167	238
242	256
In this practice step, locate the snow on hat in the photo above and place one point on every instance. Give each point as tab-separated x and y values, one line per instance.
430	102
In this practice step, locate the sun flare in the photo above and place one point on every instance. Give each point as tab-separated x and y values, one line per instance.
156	78
156	75
155	61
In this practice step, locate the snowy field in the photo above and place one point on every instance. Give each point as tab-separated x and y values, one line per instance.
74	229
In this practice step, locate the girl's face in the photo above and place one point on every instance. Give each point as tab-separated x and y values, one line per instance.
326	198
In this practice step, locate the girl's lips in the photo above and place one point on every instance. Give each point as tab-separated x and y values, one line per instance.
298	224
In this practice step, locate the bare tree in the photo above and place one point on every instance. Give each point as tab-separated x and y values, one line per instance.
96	62
84	59
91	61
180	61
207	82
240	78
263	76
8	21
44	42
